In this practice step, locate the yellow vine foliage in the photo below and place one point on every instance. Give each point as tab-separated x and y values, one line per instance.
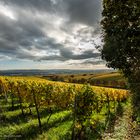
49	93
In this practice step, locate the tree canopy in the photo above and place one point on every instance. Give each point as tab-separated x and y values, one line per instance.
121	37
121	31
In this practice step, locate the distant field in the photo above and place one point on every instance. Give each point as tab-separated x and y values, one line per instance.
112	79
108	76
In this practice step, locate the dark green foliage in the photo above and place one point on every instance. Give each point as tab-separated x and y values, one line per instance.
121	34
121	49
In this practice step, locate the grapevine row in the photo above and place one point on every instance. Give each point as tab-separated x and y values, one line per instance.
82	100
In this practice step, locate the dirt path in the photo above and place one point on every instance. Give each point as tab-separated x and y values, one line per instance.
124	129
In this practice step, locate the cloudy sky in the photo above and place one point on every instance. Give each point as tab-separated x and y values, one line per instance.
49	34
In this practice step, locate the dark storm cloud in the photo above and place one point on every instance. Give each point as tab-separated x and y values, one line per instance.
43	5
19	37
81	11
93	62
84	55
84	11
67	54
15	35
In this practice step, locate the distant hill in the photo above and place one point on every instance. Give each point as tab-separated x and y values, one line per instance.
105	79
50	71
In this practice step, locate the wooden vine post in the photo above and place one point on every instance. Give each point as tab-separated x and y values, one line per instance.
37	110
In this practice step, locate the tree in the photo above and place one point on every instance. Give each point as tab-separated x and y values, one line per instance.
121	37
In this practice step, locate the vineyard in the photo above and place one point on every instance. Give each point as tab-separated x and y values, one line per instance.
75	111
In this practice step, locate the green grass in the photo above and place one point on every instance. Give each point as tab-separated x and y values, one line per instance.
14	126
59	132
29	129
